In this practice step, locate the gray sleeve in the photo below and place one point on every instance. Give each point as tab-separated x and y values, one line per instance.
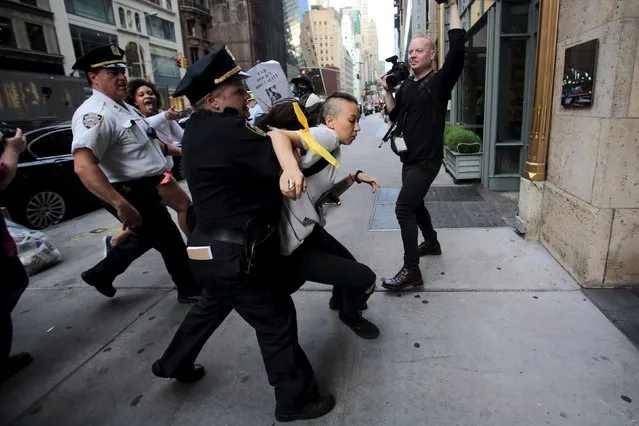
325	137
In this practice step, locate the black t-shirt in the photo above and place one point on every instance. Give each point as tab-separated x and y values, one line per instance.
232	171
420	110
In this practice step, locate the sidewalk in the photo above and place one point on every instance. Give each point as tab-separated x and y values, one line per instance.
499	335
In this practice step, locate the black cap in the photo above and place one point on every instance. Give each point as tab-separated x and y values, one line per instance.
102	57
208	73
302	79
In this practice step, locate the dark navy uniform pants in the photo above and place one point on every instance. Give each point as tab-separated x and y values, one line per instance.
264	304
157	231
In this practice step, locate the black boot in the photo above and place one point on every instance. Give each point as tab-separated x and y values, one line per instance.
360	325
408	276
430	248
193	374
318	408
94	280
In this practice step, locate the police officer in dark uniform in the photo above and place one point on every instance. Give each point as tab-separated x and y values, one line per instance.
233	173
118	161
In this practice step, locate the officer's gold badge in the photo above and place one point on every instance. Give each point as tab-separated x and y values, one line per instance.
91	119
115	50
254	129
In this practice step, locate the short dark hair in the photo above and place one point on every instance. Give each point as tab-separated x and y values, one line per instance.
133	87
331	104
282	116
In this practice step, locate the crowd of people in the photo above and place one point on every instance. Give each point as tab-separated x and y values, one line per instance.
255	222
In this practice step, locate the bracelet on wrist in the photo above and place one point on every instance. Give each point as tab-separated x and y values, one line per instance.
356	178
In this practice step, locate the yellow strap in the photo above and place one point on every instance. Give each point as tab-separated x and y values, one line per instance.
311	143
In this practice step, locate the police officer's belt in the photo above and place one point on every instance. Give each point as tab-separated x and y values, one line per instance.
145	182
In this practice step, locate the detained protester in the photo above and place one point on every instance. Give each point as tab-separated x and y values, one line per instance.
419	109
145	97
312	254
119	161
14	276
237	184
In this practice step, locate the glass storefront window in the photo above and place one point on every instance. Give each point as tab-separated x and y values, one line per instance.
160	28
472	82
163	62
514	18
511	89
86	39
507	159
99	10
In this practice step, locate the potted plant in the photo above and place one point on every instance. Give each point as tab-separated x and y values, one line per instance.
462	152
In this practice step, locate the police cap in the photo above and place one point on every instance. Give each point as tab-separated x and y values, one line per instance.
209	73
102	57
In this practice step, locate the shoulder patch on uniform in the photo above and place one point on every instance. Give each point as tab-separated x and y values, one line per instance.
255	129
91	119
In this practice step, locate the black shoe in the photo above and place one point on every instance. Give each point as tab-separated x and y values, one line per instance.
318	408
360	325
104	287
408	276
430	248
195	373
336	307
185	300
15	364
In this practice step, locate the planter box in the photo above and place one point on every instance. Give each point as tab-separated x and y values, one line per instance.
462	166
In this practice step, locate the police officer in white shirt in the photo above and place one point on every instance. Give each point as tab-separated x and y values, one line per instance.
118	161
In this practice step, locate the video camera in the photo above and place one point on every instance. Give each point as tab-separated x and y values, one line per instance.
398	73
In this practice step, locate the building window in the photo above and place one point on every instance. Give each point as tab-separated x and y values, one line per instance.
86	39
132	56
169	5
138	24
7	38
190	27
98	10
122	18
36	37
129	19
163	62
205	31
160	28
195	54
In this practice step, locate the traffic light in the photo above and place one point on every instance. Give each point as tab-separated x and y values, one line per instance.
185	62
178	61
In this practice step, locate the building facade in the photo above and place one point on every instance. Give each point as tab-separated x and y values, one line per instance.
253	30
148	31
28	39
551	86
196	23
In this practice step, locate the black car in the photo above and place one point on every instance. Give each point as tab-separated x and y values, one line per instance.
46	189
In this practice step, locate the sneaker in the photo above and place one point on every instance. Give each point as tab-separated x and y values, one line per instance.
360	325
106	241
430	248
318	408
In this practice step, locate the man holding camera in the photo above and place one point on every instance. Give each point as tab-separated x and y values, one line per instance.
419	110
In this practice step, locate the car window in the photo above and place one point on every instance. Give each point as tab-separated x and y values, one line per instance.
52	144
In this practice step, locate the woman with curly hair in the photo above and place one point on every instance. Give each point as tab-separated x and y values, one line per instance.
143	95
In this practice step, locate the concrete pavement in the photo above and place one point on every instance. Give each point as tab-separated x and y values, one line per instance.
500	335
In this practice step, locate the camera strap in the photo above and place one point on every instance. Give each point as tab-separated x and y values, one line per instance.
420	86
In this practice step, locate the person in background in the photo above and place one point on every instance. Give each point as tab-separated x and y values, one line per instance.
14	276
255	110
303	90
143	95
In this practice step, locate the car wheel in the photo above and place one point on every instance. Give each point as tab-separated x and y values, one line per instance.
44	209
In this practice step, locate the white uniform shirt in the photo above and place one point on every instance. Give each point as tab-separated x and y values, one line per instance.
116	134
168	131
299	217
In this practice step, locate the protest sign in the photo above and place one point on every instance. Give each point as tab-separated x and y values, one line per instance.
268	83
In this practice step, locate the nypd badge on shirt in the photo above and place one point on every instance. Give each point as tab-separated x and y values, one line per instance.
91	119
